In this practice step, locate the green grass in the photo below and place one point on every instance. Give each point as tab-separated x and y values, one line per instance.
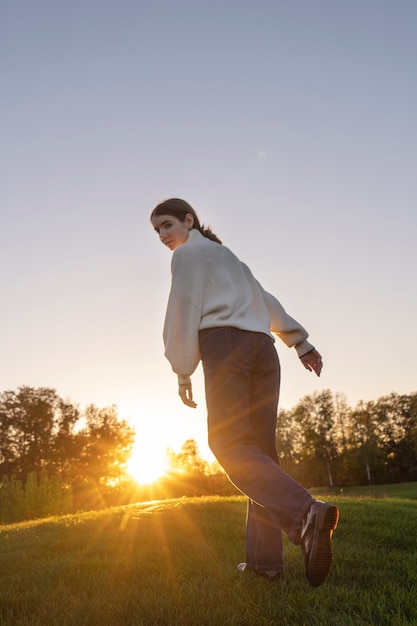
399	490
174	563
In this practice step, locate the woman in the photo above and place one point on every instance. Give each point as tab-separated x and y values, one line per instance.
219	313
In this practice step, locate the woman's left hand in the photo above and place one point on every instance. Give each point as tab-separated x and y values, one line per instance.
312	361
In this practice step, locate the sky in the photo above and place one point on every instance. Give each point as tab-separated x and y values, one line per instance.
290	126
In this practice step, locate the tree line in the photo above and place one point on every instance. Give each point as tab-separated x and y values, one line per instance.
324	442
57	459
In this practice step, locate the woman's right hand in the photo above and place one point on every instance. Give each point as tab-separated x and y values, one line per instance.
185	391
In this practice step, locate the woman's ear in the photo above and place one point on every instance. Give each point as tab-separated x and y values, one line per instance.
189	220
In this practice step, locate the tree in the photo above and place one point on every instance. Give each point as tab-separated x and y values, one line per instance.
35	425
106	444
188	460
397	416
365	443
315	417
341	463
288	438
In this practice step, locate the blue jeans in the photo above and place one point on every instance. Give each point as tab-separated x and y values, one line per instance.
242	377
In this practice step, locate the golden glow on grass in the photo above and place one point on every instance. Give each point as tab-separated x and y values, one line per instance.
148	462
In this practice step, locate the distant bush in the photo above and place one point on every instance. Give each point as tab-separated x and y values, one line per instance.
38	496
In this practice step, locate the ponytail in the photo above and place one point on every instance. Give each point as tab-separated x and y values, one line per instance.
207	232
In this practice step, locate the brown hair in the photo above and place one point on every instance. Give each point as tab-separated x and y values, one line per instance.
180	208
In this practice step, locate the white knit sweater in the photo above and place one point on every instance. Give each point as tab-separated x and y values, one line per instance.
212	288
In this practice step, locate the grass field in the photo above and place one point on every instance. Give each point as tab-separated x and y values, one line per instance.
174	563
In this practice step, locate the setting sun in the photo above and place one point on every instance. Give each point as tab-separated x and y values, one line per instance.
148	462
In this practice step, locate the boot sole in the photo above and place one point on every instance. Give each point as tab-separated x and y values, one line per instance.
320	557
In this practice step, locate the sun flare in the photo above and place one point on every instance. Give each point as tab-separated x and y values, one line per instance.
148	462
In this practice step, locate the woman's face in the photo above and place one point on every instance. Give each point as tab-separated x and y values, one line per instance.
172	232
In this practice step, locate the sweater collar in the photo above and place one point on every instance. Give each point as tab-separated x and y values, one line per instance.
193	234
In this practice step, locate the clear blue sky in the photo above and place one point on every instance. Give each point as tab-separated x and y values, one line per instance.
290	126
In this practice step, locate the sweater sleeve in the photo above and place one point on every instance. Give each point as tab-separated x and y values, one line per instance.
282	324
183	316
